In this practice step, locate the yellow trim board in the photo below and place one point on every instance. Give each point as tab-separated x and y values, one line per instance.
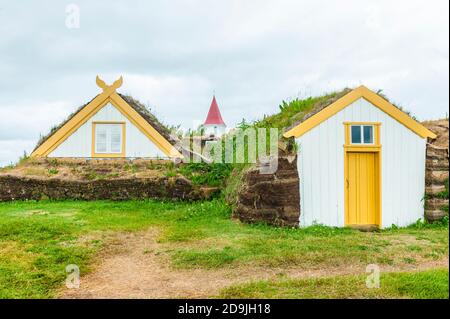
346	100
124	138
144	126
376	137
108	95
375	148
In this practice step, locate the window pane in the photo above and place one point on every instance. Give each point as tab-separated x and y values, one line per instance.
108	138
368	134
100	139
356	134
101	148
116	138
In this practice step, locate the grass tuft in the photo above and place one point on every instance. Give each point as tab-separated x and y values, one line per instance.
431	284
39	239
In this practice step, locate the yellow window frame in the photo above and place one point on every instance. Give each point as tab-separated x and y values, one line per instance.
115	155
362	147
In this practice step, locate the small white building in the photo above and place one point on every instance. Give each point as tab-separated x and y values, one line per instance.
110	126
214	124
361	162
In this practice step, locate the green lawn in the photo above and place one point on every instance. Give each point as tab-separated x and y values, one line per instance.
38	240
431	284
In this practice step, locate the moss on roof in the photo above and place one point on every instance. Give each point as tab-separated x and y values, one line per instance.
150	118
136	105
298	110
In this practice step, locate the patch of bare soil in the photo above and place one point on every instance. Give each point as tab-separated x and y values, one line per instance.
134	265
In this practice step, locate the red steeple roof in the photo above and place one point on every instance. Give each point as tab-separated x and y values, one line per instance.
214	117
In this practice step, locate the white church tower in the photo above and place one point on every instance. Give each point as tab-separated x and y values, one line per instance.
214	124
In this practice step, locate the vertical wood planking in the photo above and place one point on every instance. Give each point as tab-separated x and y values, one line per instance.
402	186
79	143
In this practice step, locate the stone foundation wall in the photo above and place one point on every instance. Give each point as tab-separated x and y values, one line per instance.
24	188
436	180
270	198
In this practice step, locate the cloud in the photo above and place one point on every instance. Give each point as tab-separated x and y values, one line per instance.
11	150
173	99
25	121
253	54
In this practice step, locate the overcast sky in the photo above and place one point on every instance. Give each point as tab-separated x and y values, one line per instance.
174	54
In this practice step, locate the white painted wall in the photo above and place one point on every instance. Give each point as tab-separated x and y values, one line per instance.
79	143
321	169
216	130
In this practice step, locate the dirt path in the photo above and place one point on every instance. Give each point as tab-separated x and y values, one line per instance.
134	265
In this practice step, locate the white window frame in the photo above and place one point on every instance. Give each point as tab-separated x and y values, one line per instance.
362	134
108	150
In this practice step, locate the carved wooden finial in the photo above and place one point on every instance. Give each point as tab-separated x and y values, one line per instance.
101	83
117	84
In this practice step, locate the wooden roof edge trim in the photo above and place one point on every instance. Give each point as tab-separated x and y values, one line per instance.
349	98
74	123
145	127
108	94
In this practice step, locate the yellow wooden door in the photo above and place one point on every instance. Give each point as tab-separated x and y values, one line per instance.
361	183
